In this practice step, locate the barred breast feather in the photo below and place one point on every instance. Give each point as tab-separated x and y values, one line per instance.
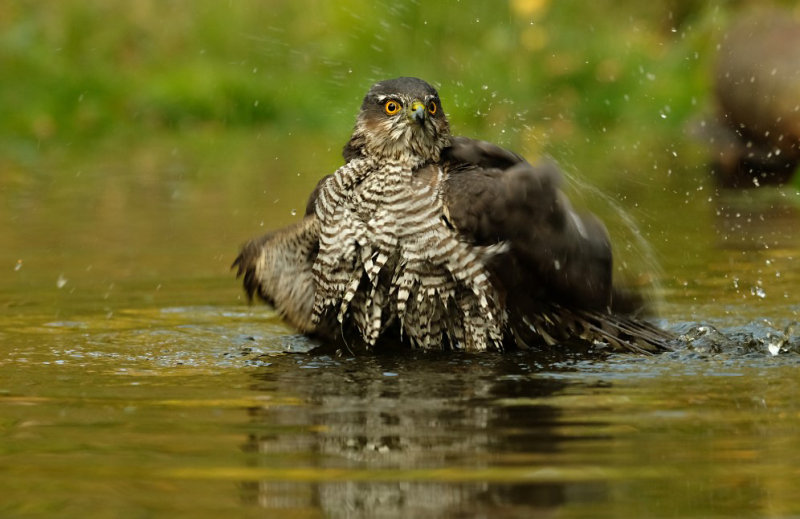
386	252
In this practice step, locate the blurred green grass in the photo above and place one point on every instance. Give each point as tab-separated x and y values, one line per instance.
580	80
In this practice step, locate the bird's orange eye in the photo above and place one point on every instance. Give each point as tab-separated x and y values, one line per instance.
392	107
432	107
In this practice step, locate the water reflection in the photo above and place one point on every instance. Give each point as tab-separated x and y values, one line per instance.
411	437
737	264
755	247
758	219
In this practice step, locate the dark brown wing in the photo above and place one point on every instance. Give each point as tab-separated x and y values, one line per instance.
557	275
493	195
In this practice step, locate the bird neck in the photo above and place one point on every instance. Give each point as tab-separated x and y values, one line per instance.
410	149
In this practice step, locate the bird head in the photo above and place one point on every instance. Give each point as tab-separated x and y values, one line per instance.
400	119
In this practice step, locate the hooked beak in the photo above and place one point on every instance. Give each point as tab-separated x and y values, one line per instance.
417	112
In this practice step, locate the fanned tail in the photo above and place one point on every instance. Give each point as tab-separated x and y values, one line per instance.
559	327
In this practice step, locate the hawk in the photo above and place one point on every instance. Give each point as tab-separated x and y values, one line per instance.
441	242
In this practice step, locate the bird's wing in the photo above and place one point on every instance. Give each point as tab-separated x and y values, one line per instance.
312	198
277	268
557	273
493	195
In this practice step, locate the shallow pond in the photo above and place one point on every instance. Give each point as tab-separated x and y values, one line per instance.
135	381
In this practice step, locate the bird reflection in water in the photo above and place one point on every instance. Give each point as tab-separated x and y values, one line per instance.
419	436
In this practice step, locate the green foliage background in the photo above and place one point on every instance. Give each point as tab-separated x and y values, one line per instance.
606	87
75	70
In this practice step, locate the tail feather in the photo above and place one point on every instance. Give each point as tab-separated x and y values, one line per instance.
556	327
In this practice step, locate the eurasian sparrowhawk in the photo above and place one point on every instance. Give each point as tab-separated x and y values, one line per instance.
441	242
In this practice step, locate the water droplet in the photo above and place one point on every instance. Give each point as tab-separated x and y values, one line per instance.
294	212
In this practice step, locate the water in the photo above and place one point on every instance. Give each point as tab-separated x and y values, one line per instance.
135	381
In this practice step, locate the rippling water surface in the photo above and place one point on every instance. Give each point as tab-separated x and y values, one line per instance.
135	381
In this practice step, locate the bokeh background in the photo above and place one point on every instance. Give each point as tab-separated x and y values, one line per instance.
143	142
533	74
